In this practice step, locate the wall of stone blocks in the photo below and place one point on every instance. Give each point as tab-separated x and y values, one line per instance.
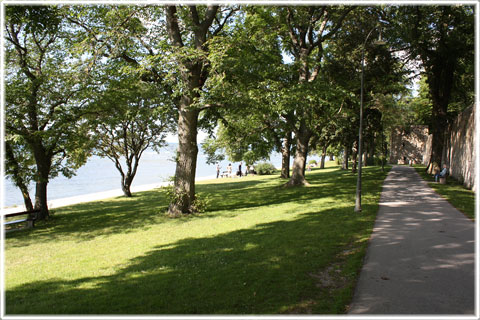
408	144
461	148
415	144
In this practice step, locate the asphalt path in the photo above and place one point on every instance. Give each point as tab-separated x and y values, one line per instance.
420	259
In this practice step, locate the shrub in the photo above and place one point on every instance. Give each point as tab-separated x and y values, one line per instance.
199	205
264	168
312	162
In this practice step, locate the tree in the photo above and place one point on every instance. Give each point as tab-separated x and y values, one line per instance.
286	95
305	31
131	117
189	30
442	38
384	74
168	45
43	87
250	83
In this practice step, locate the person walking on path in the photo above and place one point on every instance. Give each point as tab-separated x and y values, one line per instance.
420	258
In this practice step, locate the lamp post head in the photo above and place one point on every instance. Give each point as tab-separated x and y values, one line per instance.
380	41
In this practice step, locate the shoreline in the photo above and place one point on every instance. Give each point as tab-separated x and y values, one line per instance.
57	203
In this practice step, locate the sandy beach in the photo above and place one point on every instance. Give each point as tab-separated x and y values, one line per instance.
57	203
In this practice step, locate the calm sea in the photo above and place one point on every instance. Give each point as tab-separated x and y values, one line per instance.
100	174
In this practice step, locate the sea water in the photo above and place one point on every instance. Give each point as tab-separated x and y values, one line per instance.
99	174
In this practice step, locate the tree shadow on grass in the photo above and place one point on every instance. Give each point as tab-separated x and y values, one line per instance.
92	219
121	215
266	269
337	183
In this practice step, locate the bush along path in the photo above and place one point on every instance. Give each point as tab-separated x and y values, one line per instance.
260	248
420	259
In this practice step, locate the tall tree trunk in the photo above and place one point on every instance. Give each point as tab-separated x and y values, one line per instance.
286	156
43	162
41	199
17	177
302	138
324	154
26	198
440	82
127	179
384	149
346	154
184	184
371	151
194	76
126	184
354	157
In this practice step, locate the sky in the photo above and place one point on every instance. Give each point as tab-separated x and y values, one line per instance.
173	137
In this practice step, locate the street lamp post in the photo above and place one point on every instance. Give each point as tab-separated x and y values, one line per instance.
358	196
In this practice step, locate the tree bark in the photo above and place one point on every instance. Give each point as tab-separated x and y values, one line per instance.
354	157
41	199
184	184
286	156
43	162
194	76
302	137
324	154
371	151
346	154
126	184
440	83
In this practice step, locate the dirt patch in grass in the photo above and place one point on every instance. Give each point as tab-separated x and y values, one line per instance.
330	280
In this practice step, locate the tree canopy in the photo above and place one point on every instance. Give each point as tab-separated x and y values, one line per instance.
258	78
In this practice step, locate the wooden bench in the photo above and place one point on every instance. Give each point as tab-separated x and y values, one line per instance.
30	220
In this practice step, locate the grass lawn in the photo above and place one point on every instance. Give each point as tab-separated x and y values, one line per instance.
453	191
259	249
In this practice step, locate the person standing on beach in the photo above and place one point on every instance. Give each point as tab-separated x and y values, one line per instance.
218	170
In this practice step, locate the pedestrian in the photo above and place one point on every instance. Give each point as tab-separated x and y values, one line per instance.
218	170
240	169
229	170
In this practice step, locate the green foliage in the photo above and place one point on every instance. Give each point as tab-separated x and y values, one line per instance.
213	151
265	168
130	117
199	205
21	166
312	162
46	89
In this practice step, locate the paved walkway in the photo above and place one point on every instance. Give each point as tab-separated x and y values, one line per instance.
420	259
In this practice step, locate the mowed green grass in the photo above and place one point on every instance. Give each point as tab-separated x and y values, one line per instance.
259	249
453	191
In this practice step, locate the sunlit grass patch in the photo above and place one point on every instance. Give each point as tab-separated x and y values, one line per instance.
253	252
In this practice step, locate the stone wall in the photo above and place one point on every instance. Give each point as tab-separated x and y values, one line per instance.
415	144
408	145
460	155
